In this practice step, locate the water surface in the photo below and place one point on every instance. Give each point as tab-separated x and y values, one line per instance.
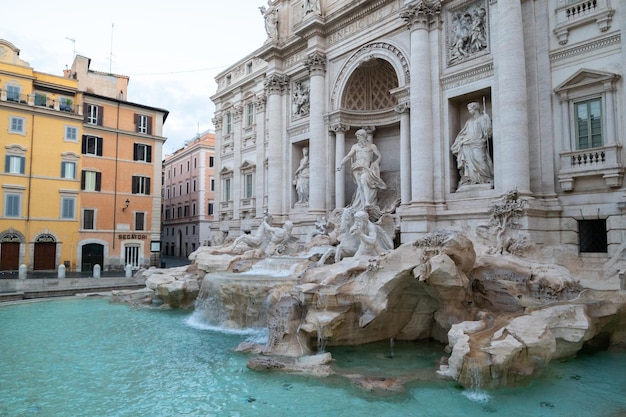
88	357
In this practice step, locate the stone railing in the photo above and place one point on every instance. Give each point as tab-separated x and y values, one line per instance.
581	13
604	161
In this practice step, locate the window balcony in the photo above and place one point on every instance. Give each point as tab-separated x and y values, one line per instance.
37	100
603	161
580	13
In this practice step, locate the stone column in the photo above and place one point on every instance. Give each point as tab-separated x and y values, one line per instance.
275	88
420	17
259	186
609	116
512	134
405	156
340	176
237	185
318	141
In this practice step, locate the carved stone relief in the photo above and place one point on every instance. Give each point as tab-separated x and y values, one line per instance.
300	104
467	32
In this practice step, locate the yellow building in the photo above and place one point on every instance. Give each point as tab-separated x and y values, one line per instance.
40	147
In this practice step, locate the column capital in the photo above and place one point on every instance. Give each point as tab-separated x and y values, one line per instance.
339	128
276	83
237	112
421	14
315	63
217	121
403	108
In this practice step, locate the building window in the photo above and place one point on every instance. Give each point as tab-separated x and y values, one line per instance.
68	170
12	205
16	125
195	162
210	209
140	220
212	184
588	124
68	207
179	211
14	164
180	189
90	180
143	124
186	210
592	236
89	219
40	99
187	187
92	145
66	104
247	192
71	133
249	68
194	185
229	123
168	193
142	152
174	171
13	92
188	165
249	114
211	161
141	185
193	209
227	189
94	114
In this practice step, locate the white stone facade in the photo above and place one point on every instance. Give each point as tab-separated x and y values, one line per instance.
549	73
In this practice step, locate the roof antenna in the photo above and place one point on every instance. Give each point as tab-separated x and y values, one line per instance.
73	40
111	51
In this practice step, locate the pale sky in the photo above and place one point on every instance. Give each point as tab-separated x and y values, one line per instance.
171	50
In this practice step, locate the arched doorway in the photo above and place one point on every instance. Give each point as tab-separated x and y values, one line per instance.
10	252
92	254
44	255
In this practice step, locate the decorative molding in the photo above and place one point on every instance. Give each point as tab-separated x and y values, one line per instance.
315	63
473	74
422	14
276	84
585	47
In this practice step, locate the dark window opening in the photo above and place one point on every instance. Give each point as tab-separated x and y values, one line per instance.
592	236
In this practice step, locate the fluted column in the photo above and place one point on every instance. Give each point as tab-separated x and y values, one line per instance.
405	156
275	86
419	18
318	142
512	136
340	176
609	89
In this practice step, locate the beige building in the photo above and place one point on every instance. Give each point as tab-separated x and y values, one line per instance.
548	119
188	196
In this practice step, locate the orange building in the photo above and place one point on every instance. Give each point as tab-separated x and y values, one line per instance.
188	196
121	148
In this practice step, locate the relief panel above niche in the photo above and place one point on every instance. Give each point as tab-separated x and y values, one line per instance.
467	32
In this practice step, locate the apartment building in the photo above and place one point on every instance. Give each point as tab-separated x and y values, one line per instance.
188	196
40	147
80	169
120	149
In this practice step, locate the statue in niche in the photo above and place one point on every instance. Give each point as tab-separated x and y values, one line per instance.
301	103
301	180
471	148
469	33
271	20
365	171
312	6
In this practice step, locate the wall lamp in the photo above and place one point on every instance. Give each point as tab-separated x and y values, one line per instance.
127	202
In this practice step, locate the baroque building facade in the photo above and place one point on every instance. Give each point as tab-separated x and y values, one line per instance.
188	196
79	161
466	101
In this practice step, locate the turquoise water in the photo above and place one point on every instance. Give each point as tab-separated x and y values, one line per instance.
88	357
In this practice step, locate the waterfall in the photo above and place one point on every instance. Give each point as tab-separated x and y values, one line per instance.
474	373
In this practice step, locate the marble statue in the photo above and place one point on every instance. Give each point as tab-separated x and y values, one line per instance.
279	238
365	171
348	243
301	180
271	21
471	148
245	242
372	240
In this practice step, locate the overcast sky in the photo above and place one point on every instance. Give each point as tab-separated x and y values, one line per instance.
171	50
